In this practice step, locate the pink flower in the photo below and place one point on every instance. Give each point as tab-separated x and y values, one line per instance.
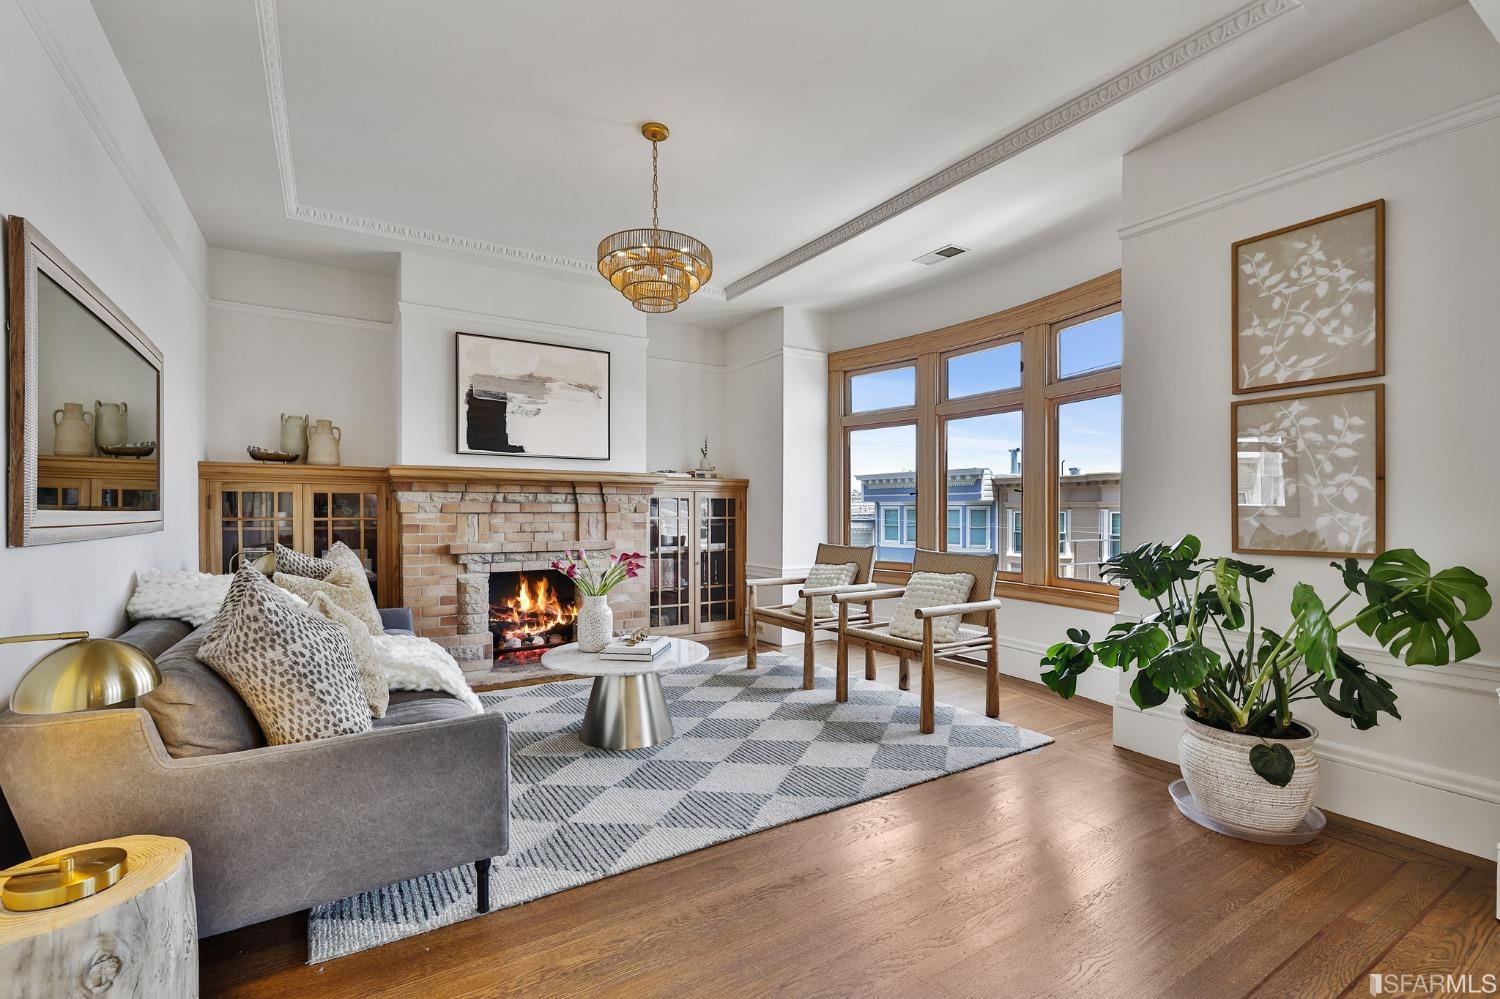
632	572
572	571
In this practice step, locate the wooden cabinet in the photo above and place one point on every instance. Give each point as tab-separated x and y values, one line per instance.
96	484
697	556
253	507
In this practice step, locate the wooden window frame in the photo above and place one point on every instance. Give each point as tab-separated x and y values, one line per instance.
1035	325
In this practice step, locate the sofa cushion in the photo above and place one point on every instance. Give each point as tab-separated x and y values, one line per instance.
155	635
197	713
411	707
346	587
293	668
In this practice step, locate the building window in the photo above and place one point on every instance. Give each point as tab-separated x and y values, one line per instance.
937	426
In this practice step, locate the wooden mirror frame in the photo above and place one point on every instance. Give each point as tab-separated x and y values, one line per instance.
27	252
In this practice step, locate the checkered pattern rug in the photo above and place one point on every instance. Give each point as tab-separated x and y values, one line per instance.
752	750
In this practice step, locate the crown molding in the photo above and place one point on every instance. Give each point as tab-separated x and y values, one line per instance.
112	149
1183	53
298	315
270	53
1395	140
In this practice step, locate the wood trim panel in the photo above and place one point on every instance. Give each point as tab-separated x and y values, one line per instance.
438	473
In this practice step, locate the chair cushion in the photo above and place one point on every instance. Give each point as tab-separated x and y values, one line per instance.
196	711
366	661
293	668
345	586
411	707
880	634
293	563
826	575
930	589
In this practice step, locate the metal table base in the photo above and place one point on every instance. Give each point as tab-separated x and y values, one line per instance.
626	712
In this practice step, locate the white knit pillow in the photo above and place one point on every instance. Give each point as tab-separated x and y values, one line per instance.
931	589
189	596
826	575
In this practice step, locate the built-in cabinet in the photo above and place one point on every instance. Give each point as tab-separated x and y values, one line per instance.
253	507
697	556
96	484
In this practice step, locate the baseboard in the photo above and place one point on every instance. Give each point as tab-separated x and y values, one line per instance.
1455	810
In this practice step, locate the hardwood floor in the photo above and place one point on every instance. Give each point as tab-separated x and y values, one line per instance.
1062	872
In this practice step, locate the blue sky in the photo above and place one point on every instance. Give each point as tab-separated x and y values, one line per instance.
1088	432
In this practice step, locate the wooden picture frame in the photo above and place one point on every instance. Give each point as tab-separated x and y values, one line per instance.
30	258
1343	338
1346	504
570	367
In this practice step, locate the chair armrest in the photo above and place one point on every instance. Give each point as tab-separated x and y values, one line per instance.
274	829
948	610
828	591
397	617
865	596
780	581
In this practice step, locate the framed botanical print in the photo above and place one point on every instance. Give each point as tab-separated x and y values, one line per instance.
534	399
1308	473
1308	304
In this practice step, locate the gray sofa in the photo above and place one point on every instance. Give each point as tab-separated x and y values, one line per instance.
273	829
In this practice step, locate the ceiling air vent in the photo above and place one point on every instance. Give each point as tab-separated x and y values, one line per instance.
940	254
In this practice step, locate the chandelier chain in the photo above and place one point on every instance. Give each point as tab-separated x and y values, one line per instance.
655	219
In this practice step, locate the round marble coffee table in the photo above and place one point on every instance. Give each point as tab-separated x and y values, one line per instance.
627	709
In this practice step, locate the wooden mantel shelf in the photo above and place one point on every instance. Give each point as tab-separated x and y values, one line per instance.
249	471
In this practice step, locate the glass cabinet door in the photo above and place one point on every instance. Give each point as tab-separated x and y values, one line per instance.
350	516
255	518
671	525
718	556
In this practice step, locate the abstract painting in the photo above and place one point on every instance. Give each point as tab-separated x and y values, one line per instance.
1309	301
534	399
1309	473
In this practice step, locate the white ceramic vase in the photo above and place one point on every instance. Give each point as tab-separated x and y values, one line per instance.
111	422
1216	767
75	432
595	624
294	435
323	441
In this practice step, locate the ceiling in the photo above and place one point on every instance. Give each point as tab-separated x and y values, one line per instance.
340	131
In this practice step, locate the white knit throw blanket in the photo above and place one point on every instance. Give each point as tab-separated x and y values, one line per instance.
412	663
188	596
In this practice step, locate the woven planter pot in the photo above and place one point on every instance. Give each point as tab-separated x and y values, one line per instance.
1216	766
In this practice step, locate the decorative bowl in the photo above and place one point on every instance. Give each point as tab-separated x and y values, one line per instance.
139	449
267	454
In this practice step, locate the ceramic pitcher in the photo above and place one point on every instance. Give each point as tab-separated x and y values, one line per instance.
110	422
323	443
75	432
294	435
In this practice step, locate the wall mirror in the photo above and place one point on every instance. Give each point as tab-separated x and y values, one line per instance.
83	446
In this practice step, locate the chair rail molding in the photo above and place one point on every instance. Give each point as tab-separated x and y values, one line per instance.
270	52
1186	51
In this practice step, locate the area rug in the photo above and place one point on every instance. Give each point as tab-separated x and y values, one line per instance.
752	750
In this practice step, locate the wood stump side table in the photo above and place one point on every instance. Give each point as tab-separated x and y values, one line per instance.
138	937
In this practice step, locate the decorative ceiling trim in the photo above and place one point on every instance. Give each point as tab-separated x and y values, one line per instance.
270	53
1185	52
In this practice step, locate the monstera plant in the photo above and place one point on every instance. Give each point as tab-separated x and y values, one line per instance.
1240	677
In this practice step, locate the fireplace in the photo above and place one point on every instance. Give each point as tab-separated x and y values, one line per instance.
530	612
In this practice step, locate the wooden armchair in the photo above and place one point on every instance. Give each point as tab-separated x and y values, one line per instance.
798	614
978	631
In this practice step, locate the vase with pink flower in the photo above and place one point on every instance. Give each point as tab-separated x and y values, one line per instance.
594	578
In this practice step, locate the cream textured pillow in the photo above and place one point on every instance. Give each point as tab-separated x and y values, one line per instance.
345	586
931	589
294	563
826	575
341	554
292	668
366	660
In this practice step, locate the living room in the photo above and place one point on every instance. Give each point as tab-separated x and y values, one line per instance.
428	573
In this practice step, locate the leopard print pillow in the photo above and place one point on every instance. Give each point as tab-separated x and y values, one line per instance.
293	669
345	586
371	679
294	563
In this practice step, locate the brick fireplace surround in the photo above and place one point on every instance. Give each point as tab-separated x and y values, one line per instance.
457	529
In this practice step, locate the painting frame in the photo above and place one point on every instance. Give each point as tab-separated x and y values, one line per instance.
1376	368
1377	390
461	444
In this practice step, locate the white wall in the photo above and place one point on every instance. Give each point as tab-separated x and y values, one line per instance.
292	337
96	185
1398	121
685	381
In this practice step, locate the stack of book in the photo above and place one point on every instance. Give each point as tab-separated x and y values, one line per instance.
645	650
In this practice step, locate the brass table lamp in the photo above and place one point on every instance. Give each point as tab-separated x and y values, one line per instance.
85	674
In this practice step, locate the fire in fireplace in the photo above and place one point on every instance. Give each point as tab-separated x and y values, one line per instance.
530	612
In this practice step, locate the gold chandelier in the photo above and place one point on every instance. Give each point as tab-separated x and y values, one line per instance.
656	269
